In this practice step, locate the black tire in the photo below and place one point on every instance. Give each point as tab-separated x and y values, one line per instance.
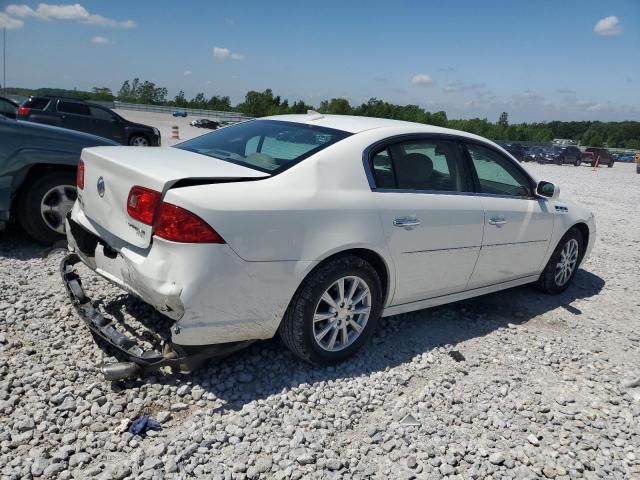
578	162
28	210
547	281
296	328
138	140
610	165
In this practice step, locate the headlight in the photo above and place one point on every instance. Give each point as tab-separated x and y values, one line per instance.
156	131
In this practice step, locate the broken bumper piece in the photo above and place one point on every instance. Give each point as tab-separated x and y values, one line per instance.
140	361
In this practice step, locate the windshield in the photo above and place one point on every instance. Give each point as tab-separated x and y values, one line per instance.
266	145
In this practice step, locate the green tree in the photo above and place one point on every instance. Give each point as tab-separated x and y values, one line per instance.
180	100
503	121
336	106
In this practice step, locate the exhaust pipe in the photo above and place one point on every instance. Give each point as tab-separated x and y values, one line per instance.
120	370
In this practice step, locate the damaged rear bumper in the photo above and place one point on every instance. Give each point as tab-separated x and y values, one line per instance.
141	360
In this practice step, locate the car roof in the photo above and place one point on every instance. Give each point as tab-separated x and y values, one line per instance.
355	124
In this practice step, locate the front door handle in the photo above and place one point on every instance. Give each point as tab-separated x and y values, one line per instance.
497	221
406	222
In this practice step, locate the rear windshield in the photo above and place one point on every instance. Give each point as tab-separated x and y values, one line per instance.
37	103
267	145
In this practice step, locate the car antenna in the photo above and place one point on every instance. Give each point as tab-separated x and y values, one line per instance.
313	115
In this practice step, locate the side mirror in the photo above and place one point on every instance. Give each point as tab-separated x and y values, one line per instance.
548	190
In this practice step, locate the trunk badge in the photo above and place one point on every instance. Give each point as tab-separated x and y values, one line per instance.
101	187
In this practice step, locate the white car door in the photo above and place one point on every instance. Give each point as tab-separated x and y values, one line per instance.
432	222
518	225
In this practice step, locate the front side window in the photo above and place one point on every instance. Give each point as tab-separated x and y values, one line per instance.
426	165
266	145
73	108
497	174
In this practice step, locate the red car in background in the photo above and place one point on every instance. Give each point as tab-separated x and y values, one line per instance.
591	155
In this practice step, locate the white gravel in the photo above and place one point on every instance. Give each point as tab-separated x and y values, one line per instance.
542	385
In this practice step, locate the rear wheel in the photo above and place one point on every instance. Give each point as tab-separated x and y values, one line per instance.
610	164
563	264
334	312
578	162
139	141
43	207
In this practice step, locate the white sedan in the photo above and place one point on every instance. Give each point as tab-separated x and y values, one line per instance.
313	226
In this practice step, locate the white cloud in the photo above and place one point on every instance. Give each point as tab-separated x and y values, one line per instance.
187	72
456	86
221	53
98	40
608	27
422	79
74	13
9	22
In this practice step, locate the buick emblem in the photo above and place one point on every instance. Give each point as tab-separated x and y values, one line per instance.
101	187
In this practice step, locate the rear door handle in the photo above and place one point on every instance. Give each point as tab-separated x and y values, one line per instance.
406	222
497	221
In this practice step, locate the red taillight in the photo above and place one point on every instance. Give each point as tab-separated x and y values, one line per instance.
23	111
179	225
142	204
80	175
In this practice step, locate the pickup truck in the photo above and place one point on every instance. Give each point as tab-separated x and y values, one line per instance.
591	154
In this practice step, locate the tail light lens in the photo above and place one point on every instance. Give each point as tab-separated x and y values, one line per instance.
142	204
170	221
179	225
80	175
23	111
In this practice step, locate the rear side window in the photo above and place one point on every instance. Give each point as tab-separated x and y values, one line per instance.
425	165
37	103
73	108
101	113
266	145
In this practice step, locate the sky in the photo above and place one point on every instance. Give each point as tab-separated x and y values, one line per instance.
538	60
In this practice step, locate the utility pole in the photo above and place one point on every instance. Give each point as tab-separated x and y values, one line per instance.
4	61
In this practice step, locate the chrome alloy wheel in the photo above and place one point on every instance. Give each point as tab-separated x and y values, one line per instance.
342	313
567	263
55	205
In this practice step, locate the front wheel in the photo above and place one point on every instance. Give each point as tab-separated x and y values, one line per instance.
43	207
139	141
578	163
563	264
610	165
334	312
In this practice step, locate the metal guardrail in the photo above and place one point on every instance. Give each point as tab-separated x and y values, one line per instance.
192	112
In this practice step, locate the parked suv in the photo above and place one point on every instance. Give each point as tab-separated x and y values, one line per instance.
592	154
563	154
87	117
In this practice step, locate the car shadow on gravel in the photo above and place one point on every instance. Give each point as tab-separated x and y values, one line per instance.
243	377
15	244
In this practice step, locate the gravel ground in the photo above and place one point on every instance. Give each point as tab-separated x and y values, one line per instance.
540	387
